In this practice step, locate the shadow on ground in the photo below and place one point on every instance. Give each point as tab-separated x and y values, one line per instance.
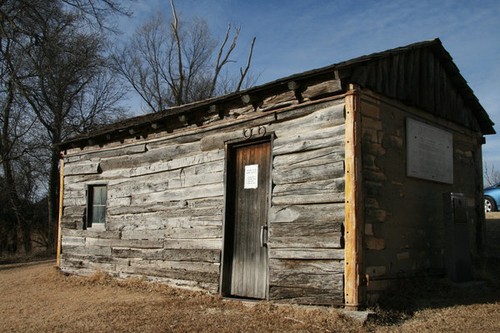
406	297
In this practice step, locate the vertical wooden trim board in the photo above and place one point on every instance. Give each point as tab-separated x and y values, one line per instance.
353	201
61	198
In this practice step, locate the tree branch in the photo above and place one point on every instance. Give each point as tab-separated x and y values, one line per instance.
175	28
243	73
221	63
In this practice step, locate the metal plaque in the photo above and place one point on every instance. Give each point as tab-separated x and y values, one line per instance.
429	152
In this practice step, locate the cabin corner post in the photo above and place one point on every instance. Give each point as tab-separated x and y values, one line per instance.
353	201
61	198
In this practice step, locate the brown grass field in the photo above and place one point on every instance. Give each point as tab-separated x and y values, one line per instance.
38	298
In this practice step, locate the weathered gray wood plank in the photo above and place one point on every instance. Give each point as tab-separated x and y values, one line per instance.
321	89
310	188
309	158
82	168
194	232
330	240
106	153
197	255
92	233
305	253
313	173
164	165
306	213
299	199
291	278
192	207
153	221
167	152
168	180
311	228
206	243
328	137
306	295
88	250
183	270
177	194
308	266
133	243
325	117
306	108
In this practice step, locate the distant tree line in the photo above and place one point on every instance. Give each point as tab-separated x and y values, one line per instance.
491	176
58	78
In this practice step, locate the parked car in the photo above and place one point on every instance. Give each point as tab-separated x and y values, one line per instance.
492	198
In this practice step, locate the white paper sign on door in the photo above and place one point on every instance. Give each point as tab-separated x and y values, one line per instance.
251	176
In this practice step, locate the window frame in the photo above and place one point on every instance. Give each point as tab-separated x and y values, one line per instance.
90	194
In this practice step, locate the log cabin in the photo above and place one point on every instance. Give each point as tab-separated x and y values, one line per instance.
322	188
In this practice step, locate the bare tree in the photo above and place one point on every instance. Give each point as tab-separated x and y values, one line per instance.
60	72
97	12
18	146
178	63
491	176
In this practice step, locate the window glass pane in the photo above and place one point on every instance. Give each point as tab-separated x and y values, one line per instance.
97	204
96	195
99	195
103	195
99	214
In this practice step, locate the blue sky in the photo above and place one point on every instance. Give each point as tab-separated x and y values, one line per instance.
298	35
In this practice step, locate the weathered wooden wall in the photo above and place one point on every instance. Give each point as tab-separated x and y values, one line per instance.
164	213
307	212
166	202
404	230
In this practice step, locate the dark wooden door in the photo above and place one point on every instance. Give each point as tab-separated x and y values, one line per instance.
249	186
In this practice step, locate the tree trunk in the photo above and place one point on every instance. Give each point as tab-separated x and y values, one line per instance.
15	205
26	232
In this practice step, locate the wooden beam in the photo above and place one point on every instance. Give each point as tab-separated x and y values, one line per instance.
293	85
297	89
353	202
325	88
247	99
255	101
61	198
217	109
183	119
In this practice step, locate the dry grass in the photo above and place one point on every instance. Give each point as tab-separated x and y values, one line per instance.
432	305
39	298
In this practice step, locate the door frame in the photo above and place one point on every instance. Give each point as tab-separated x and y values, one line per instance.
227	247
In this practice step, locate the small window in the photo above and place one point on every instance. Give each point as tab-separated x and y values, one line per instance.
96	205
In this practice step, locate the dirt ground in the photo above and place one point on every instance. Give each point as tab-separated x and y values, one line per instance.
38	298
493	234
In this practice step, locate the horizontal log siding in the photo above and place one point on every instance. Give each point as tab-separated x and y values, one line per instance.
164	213
307	212
166	196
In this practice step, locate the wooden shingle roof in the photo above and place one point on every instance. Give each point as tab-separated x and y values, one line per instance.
422	75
